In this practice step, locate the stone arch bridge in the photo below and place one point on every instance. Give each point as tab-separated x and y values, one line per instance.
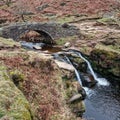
54	31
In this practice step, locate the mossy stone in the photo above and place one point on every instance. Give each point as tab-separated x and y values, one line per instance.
13	104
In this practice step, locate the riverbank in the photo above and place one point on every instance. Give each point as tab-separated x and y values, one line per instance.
36	76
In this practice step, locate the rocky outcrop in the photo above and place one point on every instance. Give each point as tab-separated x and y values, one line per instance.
13	104
106	61
64	65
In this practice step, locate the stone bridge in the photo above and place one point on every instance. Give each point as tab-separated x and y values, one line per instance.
53	30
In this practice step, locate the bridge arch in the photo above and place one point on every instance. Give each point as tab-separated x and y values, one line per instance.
42	36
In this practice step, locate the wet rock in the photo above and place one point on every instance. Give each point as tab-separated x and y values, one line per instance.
75	98
31	45
64	65
88	80
37	47
79	63
82	92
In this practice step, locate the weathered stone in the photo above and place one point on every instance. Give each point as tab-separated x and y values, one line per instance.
52	31
13	104
42	7
88	80
82	92
65	25
67	44
37	47
106	61
75	98
64	65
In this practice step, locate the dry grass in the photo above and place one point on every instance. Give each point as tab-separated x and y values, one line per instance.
42	86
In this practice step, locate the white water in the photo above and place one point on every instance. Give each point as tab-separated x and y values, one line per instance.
76	72
102	102
101	81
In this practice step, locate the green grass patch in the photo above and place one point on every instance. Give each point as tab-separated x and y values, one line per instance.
13	104
8	42
65	19
62	41
109	21
108	48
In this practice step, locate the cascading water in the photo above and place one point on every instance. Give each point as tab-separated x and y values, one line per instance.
89	66
102	101
101	81
76	72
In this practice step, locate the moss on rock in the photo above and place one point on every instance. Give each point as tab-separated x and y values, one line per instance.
106	61
13	104
8	43
108	21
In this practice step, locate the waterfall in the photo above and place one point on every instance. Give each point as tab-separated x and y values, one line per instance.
89	66
101	81
76	72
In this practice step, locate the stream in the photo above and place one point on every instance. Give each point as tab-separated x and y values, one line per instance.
102	103
103	100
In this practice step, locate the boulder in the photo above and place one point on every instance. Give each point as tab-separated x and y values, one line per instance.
82	92
37	47
75	98
88	80
64	65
